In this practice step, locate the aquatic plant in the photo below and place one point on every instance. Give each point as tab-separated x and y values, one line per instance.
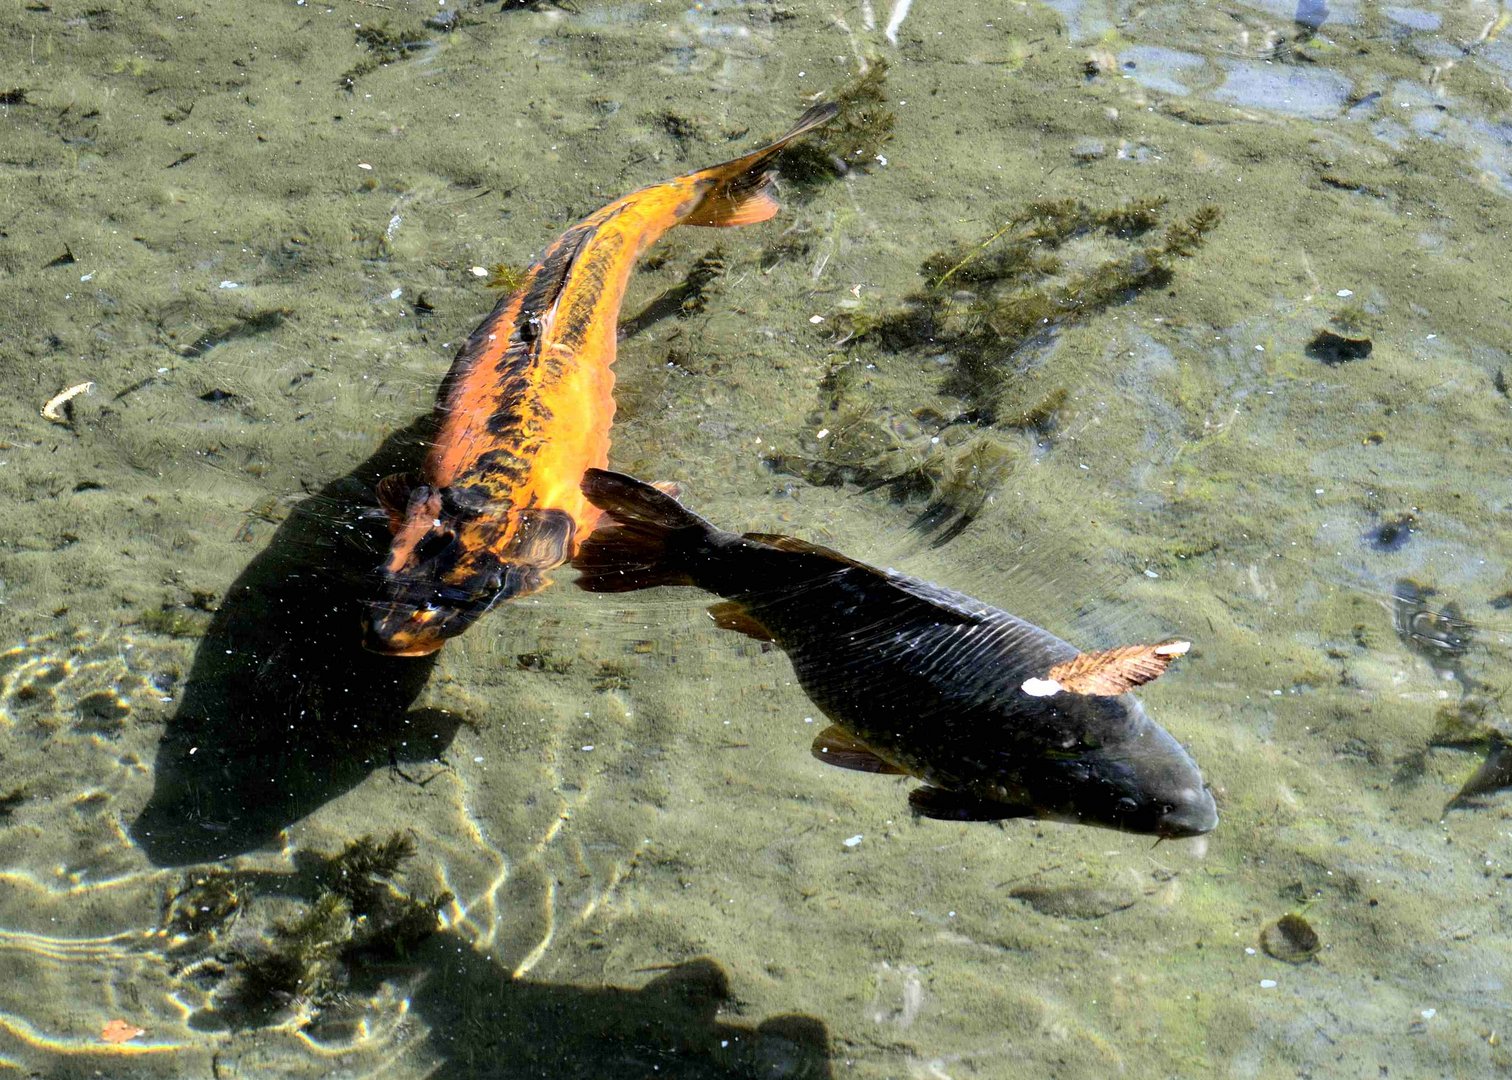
853	140
385	46
205	904
173	620
390	921
10	800
506	277
360	910
302	960
986	309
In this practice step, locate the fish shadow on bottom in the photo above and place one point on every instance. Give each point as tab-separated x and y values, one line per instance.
485	1023
488	1024
283	709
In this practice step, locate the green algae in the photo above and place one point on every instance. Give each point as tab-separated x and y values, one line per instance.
989	306
359	911
853	140
174	620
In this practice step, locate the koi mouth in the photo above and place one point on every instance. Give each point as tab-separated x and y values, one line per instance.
387	633
385	648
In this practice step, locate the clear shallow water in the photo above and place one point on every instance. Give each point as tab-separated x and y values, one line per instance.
189	225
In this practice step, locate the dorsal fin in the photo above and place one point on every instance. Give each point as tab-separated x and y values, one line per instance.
1108	672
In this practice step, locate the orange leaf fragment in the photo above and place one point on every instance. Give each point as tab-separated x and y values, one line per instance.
119	1031
1108	672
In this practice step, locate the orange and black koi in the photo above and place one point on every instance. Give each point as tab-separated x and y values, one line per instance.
526	409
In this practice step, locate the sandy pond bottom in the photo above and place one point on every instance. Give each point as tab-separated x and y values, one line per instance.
648	875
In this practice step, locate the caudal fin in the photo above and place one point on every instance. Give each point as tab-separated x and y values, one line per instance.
644	542
741	193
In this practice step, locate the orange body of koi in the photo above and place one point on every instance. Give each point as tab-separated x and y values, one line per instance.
526	409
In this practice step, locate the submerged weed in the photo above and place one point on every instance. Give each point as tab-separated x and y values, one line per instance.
854	139
506	278
385	46
984	314
360	910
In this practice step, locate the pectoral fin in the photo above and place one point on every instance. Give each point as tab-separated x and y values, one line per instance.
836	746
933	802
542	539
1107	672
732	615
394	495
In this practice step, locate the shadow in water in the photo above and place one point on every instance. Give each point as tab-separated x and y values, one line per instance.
493	1026
487	1024
283	709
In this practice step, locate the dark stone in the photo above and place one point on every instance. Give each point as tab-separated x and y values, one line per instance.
1335	349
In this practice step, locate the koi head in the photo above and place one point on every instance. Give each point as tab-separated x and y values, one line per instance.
437	580
416	619
452	558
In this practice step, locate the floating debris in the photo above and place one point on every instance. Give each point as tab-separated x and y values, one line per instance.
1290	938
58	408
1108	672
119	1031
1335	349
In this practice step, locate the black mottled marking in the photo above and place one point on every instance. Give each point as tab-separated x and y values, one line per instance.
500	463
574	322
548	279
466	501
508	416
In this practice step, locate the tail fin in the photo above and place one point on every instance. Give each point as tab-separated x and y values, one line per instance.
644	542
742	189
